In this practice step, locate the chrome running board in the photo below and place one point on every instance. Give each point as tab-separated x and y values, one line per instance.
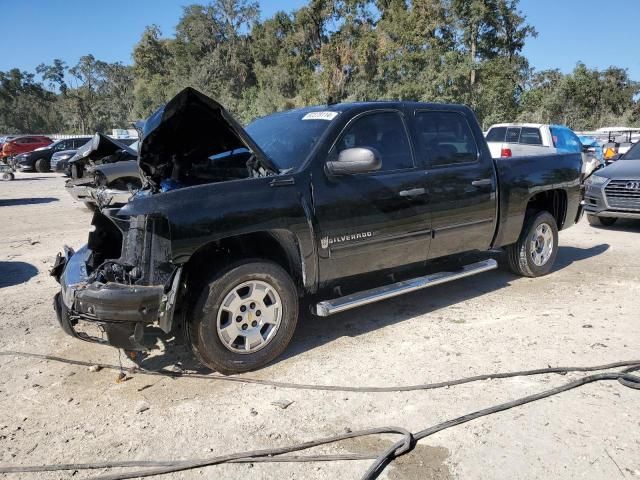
329	307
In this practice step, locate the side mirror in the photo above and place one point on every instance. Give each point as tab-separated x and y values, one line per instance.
588	149
355	160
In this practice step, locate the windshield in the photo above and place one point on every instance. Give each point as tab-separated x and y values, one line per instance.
633	153
288	138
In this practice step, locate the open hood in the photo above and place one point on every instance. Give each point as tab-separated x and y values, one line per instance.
101	146
187	133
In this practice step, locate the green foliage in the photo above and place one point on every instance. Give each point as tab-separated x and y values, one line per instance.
461	51
585	99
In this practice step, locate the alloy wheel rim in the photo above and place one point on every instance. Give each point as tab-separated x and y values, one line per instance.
249	317
541	245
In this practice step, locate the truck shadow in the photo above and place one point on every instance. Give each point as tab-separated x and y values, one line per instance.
12	202
568	255
313	332
14	273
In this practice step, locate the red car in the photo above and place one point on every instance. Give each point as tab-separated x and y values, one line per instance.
23	144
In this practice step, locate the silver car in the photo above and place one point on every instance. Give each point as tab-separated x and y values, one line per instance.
614	192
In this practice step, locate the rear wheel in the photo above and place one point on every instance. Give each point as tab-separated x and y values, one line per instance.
7	176
42	165
601	221
244	317
535	251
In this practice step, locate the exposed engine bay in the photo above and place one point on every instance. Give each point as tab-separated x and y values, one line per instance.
191	141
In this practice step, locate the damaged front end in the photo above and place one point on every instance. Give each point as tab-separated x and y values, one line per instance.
120	282
126	277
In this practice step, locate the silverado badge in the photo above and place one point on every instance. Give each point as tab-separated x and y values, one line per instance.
326	241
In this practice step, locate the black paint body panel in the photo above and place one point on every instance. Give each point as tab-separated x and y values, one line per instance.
357	224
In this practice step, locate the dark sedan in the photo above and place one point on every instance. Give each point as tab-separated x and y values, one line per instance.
40	160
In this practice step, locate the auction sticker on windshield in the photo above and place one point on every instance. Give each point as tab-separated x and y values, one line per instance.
320	116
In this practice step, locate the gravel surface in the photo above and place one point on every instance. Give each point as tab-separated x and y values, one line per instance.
586	312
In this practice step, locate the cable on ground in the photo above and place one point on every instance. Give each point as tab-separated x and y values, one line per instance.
401	447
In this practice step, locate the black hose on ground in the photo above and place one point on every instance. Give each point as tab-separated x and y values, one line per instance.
332	388
401	447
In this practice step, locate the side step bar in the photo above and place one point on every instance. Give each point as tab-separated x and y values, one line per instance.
329	307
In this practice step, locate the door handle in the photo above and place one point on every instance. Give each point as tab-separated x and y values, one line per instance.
482	183
414	192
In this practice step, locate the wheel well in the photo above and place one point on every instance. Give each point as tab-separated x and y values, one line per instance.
552	201
279	246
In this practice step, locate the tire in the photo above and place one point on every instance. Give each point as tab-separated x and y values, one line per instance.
601	221
7	176
42	165
526	256
209	323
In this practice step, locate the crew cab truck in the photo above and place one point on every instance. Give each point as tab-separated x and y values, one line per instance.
520	139
235	226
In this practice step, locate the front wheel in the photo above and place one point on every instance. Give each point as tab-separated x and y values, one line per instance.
535	251
244	317
42	165
601	221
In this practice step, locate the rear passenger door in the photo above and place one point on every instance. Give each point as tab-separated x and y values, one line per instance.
461	181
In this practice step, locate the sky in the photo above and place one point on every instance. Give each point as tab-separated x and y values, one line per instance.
37	31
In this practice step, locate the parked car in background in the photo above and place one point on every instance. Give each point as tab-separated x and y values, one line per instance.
104	163
100	149
524	139
24	143
593	157
614	191
107	184
5	139
39	160
60	161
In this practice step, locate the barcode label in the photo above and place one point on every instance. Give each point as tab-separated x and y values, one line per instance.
320	116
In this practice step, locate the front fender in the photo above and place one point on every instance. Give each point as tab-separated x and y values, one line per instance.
204	214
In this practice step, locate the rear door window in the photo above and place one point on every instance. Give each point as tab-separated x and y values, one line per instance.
445	138
530	136
513	135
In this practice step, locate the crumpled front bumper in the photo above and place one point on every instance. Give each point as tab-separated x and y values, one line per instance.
119	311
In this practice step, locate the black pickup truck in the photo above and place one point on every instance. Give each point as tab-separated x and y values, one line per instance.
338	204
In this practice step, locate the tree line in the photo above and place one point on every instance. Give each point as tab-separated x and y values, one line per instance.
460	51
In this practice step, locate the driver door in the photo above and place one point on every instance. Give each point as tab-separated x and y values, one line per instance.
378	220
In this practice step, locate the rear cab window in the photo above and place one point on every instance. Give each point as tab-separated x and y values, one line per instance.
530	136
513	135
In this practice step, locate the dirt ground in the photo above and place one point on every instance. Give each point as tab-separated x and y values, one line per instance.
586	312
